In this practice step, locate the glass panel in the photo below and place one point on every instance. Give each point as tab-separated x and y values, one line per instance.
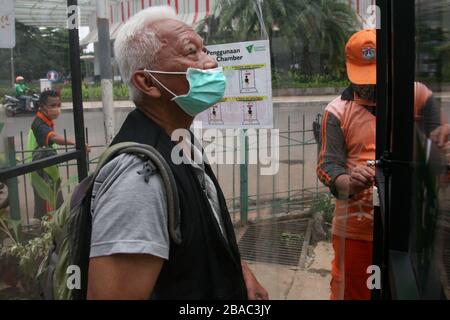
38	62
307	71
36	121
430	236
288	243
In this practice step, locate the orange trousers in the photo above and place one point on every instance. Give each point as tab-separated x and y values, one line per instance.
349	269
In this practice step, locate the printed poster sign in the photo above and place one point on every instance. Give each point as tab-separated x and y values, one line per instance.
52	75
7	24
248	96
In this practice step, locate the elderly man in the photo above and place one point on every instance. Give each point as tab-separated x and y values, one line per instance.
132	256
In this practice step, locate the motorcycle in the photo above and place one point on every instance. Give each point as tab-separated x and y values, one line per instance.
14	106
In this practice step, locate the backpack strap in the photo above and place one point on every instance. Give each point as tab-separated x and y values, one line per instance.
155	158
110	153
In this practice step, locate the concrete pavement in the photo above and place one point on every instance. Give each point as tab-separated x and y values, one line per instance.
293	283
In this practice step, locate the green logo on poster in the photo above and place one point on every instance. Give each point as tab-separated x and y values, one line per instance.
252	48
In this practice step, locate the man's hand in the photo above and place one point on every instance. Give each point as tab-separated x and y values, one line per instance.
447	151
440	135
361	178
254	290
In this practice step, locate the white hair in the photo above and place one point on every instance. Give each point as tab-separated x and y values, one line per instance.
136	45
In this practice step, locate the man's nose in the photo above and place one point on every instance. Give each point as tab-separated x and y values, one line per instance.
209	62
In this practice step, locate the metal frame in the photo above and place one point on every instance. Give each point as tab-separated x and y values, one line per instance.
80	153
383	141
395	132
402	278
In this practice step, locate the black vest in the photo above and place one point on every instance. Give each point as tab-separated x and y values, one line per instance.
204	265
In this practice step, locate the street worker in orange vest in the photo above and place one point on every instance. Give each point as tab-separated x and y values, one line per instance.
348	141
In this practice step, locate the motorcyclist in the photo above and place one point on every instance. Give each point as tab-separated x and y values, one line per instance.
21	93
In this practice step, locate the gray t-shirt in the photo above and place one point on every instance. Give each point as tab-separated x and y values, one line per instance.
129	215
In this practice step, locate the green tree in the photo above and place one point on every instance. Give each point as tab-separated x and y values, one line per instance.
304	27
37	51
237	20
338	22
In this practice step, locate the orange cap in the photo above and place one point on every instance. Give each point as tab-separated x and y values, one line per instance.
361	55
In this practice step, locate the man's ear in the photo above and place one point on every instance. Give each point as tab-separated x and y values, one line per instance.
145	84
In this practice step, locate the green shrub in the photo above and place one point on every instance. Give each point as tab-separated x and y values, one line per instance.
282	79
121	92
6	90
94	92
324	203
22	251
66	94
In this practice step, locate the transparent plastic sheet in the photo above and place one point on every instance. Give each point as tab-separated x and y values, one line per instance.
430	219
352	225
259	242
337	284
283	281
27	201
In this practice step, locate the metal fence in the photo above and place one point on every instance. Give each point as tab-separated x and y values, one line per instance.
250	196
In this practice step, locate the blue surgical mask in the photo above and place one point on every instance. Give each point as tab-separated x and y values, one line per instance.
207	87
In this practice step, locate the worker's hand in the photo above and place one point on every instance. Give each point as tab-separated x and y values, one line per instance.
440	135
88	148
255	291
361	178
446	149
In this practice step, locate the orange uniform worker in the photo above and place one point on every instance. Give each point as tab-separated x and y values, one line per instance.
348	141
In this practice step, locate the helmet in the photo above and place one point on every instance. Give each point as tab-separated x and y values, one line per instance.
19	78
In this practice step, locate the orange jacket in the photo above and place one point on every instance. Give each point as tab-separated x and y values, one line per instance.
348	139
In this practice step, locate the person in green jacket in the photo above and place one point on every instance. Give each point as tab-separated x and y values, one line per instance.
21	92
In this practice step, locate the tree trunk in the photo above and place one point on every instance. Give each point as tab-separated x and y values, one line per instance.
306	60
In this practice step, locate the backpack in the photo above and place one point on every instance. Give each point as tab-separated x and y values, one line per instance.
317	127
63	275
